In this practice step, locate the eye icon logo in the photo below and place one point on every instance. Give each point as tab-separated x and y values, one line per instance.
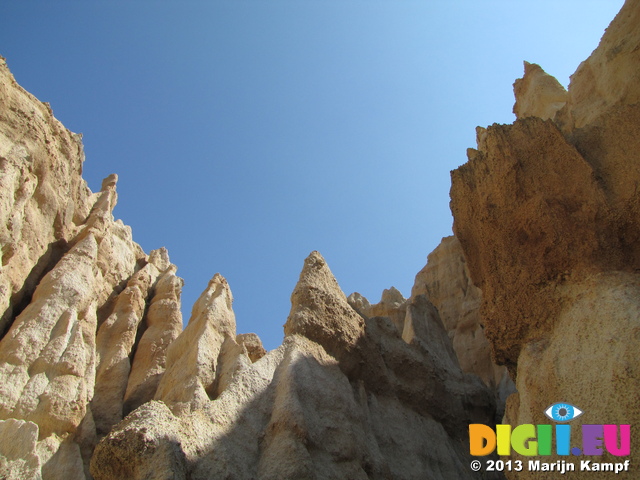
562	412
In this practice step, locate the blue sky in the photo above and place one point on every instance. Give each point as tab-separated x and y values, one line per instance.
248	133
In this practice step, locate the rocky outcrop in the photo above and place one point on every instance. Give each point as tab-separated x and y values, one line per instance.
253	345
444	289
526	210
75	292
48	356
391	305
344	396
546	211
163	322
192	359
608	79
445	281
538	94
43	198
98	379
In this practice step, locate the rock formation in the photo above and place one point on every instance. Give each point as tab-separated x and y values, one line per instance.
446	282
444	287
43	198
343	397
75	292
99	380
546	211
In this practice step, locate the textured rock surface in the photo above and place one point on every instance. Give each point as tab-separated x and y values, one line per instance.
163	325
253	344
596	332
18	456
392	304
74	290
344	396
43	198
609	78
446	283
448	297
114	342
189	381
546	212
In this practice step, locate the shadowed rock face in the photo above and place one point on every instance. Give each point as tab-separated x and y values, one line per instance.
546	211
446	282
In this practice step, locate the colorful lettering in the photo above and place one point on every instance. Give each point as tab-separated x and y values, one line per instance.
544	439
482	440
530	440
611	440
523	440
563	439
503	434
592	439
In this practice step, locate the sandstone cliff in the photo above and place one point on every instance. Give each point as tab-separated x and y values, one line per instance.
546	211
99	380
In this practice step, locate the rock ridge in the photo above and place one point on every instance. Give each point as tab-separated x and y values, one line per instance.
546	212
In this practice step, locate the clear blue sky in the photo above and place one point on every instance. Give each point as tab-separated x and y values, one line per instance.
248	133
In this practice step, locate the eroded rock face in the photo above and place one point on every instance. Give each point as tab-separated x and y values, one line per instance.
43	198
74	288
546	211
446	297
538	94
445	281
597	331
48	356
528	210
252	343
344	396
608	79
163	325
192	359
18	457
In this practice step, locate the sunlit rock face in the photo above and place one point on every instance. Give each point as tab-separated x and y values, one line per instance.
546	212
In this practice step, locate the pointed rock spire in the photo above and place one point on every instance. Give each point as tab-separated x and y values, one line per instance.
164	324
114	343
320	311
538	94
189	380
